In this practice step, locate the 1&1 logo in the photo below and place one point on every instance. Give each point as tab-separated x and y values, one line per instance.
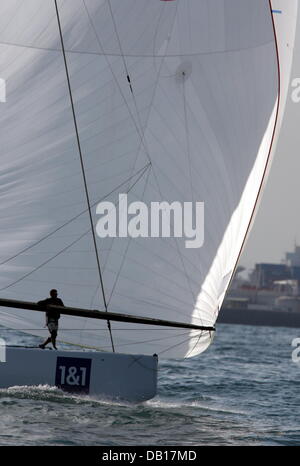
73	374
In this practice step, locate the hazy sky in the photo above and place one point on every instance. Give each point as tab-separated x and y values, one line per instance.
277	223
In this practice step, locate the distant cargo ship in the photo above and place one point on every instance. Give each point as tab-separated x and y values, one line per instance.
254	315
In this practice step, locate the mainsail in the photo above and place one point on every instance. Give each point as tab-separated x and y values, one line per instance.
173	101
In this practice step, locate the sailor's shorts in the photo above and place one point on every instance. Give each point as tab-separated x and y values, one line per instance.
52	326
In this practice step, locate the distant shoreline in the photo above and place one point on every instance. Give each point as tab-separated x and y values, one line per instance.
272	318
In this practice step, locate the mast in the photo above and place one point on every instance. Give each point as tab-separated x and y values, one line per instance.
102	315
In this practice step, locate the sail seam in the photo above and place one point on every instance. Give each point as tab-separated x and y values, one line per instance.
175	55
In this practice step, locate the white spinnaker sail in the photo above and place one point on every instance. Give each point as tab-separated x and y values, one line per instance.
197	126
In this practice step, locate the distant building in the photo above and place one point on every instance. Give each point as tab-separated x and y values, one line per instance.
287	287
295	272
264	275
293	258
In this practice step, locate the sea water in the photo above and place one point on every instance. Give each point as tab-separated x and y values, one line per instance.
244	390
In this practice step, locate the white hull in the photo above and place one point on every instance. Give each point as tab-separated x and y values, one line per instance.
108	375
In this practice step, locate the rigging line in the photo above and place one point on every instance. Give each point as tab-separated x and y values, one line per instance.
83	170
169	296
179	344
165	307
156	34
177	247
190	173
117	203
173	284
138	130
153	340
120	47
141	136
192	349
140	133
127	247
138	124
142	170
50	259
191	185
82	166
178	250
109	250
46	262
201	333
121	345
188	149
